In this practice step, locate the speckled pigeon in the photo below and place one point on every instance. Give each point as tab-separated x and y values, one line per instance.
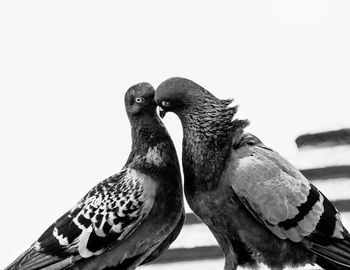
258	206
129	218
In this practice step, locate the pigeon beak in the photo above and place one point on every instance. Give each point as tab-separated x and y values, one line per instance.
162	112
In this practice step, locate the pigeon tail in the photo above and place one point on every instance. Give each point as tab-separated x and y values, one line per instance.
32	260
337	254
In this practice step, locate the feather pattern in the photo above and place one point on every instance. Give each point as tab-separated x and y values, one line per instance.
108	213
287	203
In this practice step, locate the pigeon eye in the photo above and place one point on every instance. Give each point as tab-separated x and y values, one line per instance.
165	103
139	99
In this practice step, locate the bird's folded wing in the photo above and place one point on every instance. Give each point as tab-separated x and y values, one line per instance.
108	213
279	196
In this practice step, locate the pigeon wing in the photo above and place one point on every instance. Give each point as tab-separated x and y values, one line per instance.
108	213
279	196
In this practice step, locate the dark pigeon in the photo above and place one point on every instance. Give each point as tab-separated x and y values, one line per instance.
258	206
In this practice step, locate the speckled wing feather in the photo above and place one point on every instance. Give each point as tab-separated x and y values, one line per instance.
107	214
279	196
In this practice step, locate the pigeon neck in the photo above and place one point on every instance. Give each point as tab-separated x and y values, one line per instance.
209	131
146	133
152	148
206	144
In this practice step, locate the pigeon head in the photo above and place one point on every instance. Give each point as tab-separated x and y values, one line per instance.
179	94
183	96
197	108
139	100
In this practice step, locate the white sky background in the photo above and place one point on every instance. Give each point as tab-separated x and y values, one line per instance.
65	66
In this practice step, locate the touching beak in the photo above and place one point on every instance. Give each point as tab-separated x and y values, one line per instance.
162	112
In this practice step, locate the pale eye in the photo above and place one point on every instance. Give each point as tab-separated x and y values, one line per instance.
139	99
165	103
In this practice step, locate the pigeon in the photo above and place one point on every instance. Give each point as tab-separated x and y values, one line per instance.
129	218
258	206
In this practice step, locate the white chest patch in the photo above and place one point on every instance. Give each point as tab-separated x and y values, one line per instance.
154	156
